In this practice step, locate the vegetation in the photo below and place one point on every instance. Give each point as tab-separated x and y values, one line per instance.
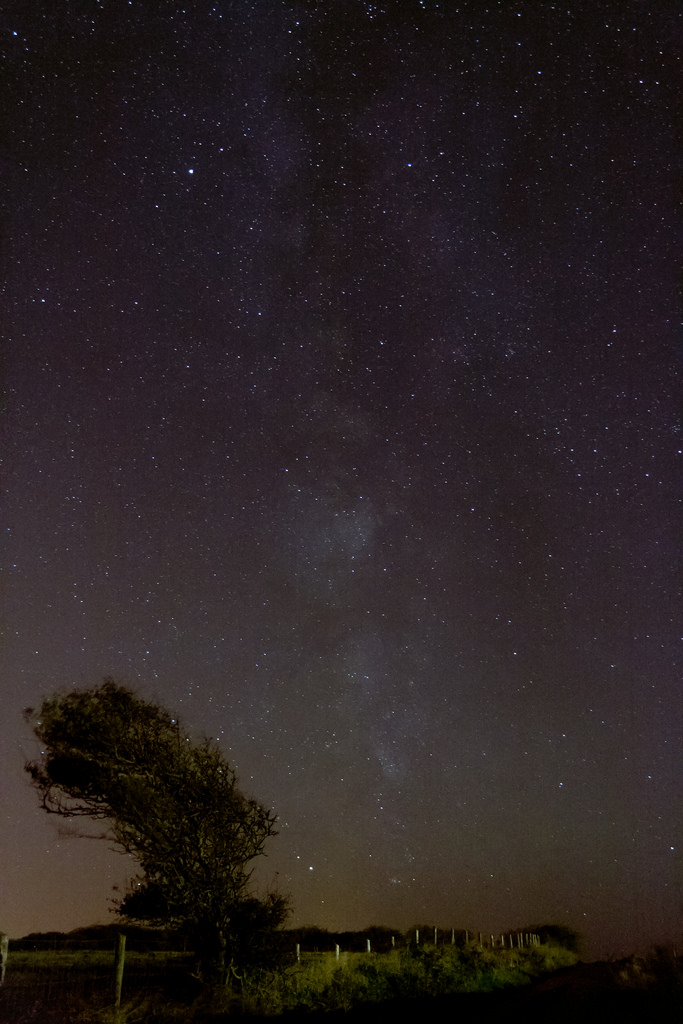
68	986
558	935
324	983
173	804
158	986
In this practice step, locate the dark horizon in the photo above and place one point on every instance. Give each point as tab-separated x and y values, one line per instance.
341	418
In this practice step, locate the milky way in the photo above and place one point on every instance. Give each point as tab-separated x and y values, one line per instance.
340	419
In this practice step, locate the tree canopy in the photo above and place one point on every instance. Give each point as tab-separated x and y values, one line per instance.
173	804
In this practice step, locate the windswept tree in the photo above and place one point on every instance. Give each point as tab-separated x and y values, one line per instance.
173	804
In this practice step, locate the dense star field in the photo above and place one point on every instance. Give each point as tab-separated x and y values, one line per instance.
341	419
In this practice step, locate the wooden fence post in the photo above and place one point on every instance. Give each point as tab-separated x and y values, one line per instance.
4	948
119	962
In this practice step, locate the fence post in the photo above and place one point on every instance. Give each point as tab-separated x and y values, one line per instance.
336	951
119	961
4	948
368	942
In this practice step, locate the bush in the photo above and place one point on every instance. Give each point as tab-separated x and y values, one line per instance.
322	982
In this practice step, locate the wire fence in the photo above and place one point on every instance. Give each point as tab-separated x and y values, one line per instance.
66	974
61	977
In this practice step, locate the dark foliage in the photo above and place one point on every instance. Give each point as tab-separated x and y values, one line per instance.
319	940
557	935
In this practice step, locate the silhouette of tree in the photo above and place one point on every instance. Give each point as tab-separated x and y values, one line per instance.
173	804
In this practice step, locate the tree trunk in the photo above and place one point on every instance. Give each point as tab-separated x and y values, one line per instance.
214	956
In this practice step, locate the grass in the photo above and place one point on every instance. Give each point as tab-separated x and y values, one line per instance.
324	983
76	987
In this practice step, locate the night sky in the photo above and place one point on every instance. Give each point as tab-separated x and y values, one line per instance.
341	372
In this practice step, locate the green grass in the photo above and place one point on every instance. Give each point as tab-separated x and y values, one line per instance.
86	959
323	982
77	987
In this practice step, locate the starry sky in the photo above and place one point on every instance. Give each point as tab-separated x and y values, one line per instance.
340	418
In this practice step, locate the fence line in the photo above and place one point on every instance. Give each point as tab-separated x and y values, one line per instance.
123	962
506	940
